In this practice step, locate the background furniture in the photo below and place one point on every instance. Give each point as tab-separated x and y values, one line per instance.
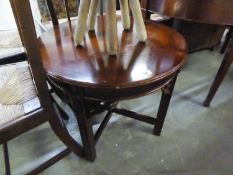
209	12
25	98
208	38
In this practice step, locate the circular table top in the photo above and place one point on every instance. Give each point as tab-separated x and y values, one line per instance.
90	65
205	11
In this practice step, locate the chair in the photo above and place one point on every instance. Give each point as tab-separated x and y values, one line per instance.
11	47
25	101
53	13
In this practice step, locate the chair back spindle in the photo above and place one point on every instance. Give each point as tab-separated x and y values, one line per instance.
52	11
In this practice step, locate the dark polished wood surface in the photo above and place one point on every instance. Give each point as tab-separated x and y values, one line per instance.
87	76
205	11
218	12
136	64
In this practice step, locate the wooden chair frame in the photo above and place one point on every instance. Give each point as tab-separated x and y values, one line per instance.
53	13
47	112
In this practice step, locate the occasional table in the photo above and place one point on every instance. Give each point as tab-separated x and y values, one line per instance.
202	11
81	75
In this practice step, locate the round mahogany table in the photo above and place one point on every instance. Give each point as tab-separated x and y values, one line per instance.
205	11
88	73
217	12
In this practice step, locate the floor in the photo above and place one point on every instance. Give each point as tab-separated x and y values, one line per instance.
195	140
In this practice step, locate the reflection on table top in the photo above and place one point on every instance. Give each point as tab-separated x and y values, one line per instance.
206	11
90	65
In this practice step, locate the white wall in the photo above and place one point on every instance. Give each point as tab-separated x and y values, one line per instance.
7	20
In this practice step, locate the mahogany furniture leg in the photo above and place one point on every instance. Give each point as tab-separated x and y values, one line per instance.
52	12
6	159
226	64
79	107
60	130
163	106
67	9
227	40
102	126
85	128
50	162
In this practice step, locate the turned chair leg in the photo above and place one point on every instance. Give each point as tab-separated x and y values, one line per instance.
226	64
163	106
6	159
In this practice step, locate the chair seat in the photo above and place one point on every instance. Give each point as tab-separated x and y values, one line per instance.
18	95
10	43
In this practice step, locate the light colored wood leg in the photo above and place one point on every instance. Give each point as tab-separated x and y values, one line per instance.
125	14
81	26
138	20
111	27
92	15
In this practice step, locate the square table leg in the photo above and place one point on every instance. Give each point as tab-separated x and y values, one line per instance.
164	104
85	128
